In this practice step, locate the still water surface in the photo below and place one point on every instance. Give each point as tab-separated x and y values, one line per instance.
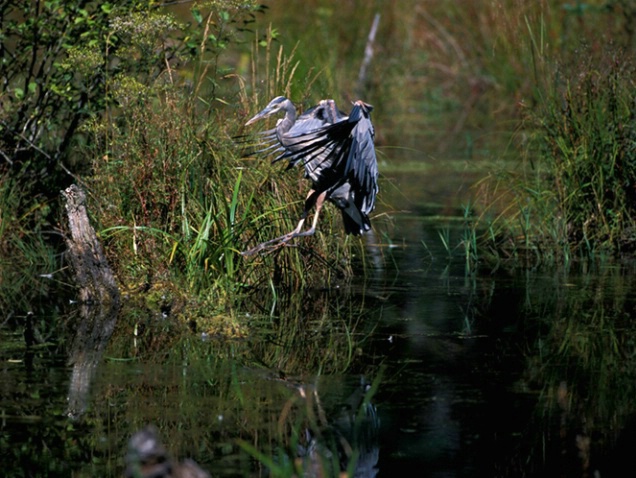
501	373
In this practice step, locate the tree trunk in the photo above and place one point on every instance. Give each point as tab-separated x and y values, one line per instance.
93	274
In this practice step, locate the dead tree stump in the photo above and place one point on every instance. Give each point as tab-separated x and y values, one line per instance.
93	274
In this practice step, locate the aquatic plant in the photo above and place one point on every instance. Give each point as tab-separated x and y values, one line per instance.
575	198
568	196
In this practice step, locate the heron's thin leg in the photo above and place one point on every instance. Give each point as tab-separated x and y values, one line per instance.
320	200
312	198
309	202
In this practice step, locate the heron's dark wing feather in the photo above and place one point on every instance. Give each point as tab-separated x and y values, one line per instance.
319	150
362	165
339	153
262	143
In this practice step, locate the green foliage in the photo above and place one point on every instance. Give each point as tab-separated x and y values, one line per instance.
571	196
58	62
161	191
55	56
577	200
590	135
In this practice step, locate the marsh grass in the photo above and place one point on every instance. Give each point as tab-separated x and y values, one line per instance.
573	197
569	195
590	139
177	201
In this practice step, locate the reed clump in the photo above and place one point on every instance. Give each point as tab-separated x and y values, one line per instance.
569	196
590	145
574	197
177	201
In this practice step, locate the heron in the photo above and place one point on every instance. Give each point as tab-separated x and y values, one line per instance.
338	155
290	126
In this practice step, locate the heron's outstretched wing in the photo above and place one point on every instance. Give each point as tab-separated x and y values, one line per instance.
337	153
274	141
319	149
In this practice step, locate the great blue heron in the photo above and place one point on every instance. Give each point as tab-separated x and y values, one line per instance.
338	154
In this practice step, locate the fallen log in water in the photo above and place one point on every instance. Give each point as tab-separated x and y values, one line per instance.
94	276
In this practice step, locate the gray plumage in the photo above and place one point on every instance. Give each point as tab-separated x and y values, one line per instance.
338	155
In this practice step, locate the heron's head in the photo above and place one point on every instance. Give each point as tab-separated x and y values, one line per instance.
280	103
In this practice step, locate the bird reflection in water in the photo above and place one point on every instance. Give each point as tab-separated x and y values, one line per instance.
344	440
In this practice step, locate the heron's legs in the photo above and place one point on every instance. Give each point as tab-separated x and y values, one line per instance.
313	198
320	201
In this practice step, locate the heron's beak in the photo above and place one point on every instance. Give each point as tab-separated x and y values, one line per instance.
263	114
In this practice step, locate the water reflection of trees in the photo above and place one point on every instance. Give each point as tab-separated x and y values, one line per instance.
312	330
204	393
36	437
580	341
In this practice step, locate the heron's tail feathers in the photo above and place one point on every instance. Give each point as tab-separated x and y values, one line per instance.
355	221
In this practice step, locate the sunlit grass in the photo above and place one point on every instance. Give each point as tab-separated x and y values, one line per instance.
176	201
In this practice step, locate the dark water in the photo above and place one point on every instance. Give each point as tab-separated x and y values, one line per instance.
423	368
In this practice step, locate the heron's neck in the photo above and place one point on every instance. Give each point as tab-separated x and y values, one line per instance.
288	120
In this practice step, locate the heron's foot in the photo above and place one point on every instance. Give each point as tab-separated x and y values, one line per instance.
275	244
271	245
308	232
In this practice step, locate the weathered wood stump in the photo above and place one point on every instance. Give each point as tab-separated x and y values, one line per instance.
93	274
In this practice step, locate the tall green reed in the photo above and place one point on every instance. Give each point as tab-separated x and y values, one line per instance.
570	196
